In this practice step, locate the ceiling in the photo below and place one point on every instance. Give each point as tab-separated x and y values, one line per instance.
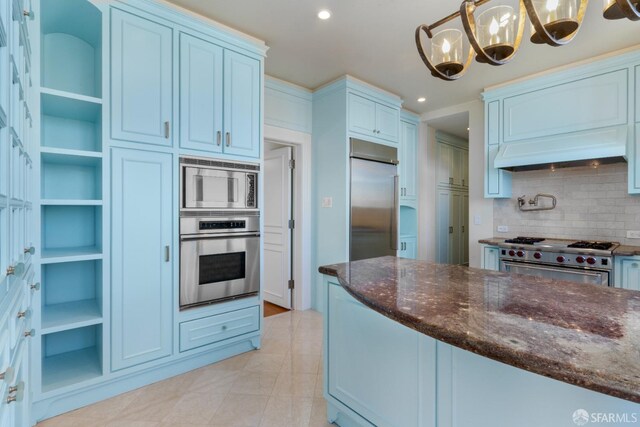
374	40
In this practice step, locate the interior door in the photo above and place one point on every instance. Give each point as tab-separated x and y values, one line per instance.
141	74
277	234
141	269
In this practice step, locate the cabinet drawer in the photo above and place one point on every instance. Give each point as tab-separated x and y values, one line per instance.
209	330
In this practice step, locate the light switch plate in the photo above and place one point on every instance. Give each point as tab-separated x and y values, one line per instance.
503	229
477	219
327	202
633	234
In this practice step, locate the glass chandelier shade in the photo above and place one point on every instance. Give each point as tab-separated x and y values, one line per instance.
496	31
559	18
446	51
620	9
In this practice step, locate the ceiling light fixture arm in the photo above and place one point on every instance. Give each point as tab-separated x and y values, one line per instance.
467	9
629	10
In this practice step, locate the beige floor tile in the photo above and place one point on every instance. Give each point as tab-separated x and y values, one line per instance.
107	409
301	363
262	361
278	333
299	385
128	423
240	410
258	383
303	346
215	381
287	411
319	414
275	346
318	393
236	363
195	408
68	421
152	404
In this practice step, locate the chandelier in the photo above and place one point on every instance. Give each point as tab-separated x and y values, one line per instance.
495	35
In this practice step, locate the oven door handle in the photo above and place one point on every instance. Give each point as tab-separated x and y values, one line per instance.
217	236
593	273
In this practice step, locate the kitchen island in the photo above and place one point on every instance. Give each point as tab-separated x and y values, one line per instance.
411	343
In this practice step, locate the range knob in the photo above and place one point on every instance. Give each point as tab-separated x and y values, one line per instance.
537	255
560	259
591	260
520	254
512	253
580	259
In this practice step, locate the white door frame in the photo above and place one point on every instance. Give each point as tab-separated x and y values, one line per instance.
302	209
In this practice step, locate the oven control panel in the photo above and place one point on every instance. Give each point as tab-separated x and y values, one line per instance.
557	258
222	225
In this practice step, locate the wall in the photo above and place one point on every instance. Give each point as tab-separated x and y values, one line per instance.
480	209
592	204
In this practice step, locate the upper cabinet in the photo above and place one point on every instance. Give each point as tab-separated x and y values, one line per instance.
200	94
373	119
637	93
571	116
219	99
241	105
453	161
141	79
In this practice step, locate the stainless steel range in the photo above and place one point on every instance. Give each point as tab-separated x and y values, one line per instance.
576	261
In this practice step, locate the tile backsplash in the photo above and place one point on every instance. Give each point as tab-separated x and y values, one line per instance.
593	204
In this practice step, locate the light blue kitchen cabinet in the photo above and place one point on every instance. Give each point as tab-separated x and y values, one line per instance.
373	367
490	258
408	161
497	182
637	84
596	102
201	68
373	119
141	268
242	93
408	247
627	272
141	79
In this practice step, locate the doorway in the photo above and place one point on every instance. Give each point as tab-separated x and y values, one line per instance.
279	222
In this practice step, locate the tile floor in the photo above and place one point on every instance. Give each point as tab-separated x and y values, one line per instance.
278	385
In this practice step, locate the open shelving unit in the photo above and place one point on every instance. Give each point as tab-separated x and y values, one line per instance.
71	193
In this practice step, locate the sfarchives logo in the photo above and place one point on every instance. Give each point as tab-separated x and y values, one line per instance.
580	417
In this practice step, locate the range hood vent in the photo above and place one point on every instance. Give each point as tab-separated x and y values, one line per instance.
600	146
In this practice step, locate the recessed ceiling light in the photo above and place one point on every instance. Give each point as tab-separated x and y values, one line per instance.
422	99
324	14
467	129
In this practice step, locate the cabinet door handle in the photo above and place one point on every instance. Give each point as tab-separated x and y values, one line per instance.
167	129
15	270
30	250
30	333
23	314
35	287
463	228
228	139
450	230
463	182
7	375
219	138
450	180
167	253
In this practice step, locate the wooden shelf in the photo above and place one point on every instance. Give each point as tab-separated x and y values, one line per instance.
70	95
72	153
70	315
67	105
50	256
55	202
70	368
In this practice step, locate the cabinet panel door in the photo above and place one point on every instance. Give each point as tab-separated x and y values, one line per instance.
492	178
445	161
142	286
634	165
490	260
387	122
637	93
200	94
464	229
410	248
443	224
456	163
408	159
141	74
465	168
629	272
358	375
454	231
241	105
362	115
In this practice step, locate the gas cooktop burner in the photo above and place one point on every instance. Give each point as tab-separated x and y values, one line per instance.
525	240
602	246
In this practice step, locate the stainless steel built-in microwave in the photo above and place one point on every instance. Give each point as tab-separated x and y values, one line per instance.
211	184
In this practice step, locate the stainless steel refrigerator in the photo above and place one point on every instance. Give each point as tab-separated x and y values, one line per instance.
374	200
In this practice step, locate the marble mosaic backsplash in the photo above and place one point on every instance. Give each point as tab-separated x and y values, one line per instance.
592	204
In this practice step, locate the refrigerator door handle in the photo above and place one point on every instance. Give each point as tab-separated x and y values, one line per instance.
396	212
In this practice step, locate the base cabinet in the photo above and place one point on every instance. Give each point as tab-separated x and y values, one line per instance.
142	285
378	372
627	273
408	247
490	258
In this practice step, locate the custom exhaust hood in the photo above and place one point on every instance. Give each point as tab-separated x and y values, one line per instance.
592	147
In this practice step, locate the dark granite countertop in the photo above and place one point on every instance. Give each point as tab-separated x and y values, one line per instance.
584	335
622	250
